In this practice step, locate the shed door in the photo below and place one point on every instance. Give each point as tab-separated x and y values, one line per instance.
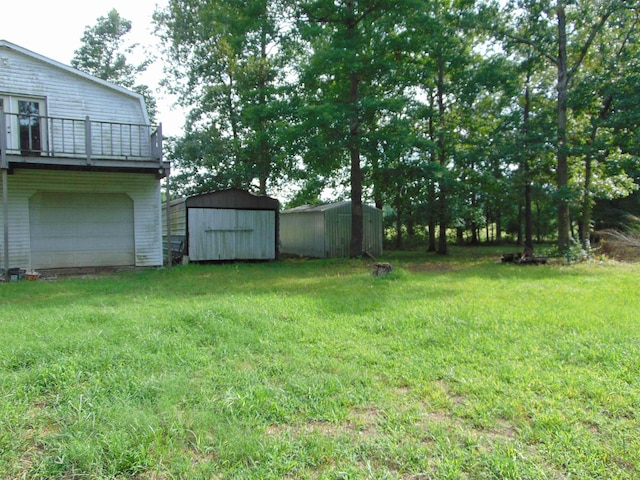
221	234
81	230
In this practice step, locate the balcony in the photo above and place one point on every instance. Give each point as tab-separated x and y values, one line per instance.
35	140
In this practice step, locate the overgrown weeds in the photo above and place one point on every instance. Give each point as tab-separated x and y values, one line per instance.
620	245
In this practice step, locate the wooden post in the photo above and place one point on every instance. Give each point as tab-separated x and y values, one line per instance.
87	139
4	165
3	138
168	215
5	209
158	143
159	153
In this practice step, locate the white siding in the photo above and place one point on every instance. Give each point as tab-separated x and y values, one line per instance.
144	191
68	95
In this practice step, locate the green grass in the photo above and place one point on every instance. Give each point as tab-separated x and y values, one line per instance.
456	367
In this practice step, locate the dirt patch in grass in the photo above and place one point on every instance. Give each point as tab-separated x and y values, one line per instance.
360	421
431	267
364	420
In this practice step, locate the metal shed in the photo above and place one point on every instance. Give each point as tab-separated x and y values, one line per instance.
324	231
226	225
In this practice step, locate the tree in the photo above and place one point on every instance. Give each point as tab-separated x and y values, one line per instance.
562	33
351	52
532	119
228	63
103	54
610	69
451	77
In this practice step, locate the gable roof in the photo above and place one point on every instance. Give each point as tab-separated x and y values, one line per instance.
317	208
41	58
325	207
233	198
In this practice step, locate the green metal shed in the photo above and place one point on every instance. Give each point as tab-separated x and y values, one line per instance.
324	231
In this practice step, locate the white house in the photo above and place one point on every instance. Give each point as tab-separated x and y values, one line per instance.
81	169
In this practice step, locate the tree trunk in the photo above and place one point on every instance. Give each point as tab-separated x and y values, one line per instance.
562	168
528	217
432	220
442	157
264	160
398	223
519	238
432	187
539	233
357	226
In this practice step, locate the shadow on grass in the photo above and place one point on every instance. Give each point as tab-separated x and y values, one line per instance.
334	285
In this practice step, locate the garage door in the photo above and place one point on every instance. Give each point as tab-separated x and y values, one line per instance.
81	230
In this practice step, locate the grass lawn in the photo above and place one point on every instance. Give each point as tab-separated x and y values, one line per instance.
455	367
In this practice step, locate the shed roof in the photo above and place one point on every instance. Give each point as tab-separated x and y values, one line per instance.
233	198
323	208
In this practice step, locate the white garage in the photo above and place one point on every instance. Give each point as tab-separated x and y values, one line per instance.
71	229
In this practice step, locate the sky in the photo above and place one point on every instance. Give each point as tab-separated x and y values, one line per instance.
53	28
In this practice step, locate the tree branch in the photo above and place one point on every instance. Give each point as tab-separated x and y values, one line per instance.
585	48
368	11
532	44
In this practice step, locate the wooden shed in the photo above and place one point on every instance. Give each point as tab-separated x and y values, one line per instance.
226	225
324	231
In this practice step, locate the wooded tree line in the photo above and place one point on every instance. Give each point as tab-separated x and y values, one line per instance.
471	116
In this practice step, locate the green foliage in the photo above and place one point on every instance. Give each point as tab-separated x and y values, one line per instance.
446	112
449	367
228	63
103	54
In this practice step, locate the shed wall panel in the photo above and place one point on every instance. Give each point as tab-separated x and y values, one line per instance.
225	234
256	239
178	213
373	231
338	231
325	231
303	234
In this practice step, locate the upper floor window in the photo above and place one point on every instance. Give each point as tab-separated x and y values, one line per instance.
29	125
25	124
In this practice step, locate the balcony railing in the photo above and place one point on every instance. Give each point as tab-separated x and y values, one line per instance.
42	136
